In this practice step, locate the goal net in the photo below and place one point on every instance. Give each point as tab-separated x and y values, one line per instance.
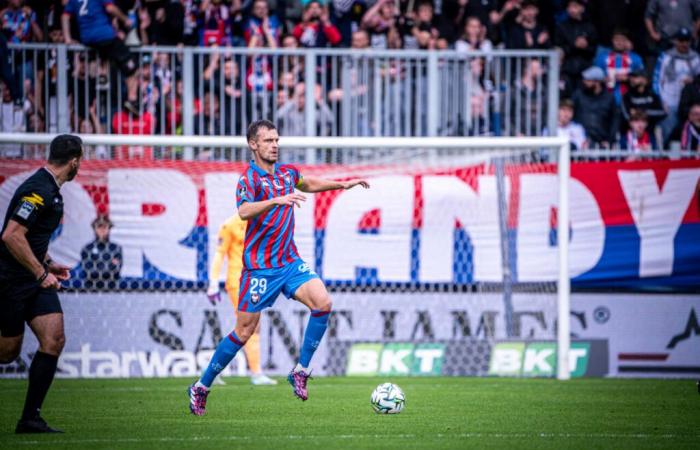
452	263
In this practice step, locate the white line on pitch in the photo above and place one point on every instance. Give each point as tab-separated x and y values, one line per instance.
359	436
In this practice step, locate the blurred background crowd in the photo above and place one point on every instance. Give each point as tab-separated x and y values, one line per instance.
629	71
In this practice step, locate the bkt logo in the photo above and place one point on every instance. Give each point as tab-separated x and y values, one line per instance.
395	359
536	359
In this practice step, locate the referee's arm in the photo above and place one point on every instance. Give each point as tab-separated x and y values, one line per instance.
15	239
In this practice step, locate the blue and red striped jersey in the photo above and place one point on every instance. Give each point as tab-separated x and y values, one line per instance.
269	238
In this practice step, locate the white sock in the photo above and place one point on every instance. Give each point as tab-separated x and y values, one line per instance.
199	384
299	368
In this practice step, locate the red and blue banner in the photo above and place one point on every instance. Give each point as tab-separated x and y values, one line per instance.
633	224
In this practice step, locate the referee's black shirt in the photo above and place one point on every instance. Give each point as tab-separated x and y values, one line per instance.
37	204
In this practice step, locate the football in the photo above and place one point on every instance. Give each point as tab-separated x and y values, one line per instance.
388	398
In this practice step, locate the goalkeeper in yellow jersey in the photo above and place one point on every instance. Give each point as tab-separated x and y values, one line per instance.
231	238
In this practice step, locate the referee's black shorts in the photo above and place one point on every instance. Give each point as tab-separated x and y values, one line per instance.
116	51
22	301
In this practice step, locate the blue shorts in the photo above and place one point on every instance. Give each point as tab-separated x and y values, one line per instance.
261	287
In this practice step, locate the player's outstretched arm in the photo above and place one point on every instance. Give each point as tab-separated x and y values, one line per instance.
251	210
312	184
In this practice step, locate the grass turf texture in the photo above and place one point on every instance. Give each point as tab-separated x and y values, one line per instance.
439	413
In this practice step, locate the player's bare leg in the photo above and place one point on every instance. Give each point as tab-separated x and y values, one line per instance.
9	348
224	354
314	295
251	350
49	331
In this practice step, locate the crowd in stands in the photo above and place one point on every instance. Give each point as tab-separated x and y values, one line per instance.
629	69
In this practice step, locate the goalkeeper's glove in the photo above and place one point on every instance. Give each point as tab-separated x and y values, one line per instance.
213	294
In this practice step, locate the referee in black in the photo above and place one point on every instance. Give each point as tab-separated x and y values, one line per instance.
29	279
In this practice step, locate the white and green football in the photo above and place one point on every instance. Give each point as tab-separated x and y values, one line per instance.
388	398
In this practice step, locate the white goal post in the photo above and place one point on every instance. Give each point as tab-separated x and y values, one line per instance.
498	146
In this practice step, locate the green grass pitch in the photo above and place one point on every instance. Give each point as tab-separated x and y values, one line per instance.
440	413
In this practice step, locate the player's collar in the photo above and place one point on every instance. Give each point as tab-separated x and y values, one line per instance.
53	177
260	171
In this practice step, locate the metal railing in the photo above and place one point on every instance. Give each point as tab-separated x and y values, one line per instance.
219	91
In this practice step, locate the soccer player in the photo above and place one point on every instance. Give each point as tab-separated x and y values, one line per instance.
29	279
231	238
266	198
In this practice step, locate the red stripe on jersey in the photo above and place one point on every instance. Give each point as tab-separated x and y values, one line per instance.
292	253
251	232
275	235
256	247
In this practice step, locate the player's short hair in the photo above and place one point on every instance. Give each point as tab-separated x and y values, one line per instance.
252	132
65	147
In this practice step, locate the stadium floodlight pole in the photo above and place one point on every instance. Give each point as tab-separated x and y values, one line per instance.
564	285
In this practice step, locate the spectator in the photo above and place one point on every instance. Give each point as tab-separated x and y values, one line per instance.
82	90
577	38
148	85
641	97
101	260
346	15
484	10
190	30
90	126
638	138
477	124
6	72
690	95
360	40
618	62
664	19
165	23
421	33
214	23
568	128
474	37
126	122
476	82
163	73
208	122
608	16
19	24
259	74
523	30
527	110
595	109
225	83
316	30
12	120
690	137
379	20
263	27
96	31
291	117
675	68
